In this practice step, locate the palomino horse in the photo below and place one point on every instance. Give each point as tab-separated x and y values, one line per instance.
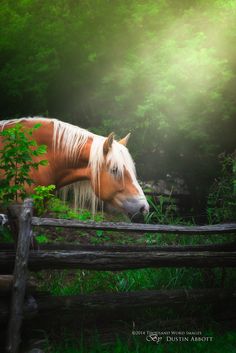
97	167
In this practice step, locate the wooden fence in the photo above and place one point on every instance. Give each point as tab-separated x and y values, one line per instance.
103	257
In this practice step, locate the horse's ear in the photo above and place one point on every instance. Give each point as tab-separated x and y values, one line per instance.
125	140
108	143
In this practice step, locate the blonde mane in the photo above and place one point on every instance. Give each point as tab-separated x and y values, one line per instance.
72	139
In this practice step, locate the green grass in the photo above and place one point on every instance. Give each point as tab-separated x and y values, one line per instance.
163	212
63	210
42	239
71	282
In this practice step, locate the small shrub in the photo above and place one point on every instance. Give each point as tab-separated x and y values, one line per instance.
221	203
16	161
40	196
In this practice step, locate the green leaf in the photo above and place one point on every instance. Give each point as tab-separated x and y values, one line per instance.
43	162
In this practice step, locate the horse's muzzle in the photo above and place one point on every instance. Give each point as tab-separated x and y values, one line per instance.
136	206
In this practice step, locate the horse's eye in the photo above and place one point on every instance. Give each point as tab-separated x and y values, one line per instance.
114	171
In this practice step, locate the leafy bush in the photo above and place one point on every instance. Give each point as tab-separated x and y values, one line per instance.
221	204
16	161
42	193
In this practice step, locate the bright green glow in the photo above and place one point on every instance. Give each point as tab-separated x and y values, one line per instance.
164	70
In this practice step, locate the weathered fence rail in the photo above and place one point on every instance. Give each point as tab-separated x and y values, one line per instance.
55	305
226	246
106	257
135	227
118	260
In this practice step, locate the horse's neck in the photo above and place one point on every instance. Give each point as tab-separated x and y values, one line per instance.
67	169
62	169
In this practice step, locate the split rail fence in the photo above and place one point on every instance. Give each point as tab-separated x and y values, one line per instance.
104	258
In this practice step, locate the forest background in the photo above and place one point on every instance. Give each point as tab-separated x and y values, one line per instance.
163	70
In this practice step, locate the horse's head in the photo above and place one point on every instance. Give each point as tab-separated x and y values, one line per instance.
114	177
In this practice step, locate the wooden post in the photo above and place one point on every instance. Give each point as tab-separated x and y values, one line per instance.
13	212
20	277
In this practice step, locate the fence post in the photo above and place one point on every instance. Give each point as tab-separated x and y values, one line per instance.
19	277
13	212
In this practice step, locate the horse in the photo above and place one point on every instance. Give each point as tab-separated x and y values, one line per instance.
95	167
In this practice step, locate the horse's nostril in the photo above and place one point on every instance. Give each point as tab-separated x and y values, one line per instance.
142	209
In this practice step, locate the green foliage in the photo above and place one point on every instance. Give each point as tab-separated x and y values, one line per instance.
164	70
221	205
41	197
41	239
62	210
16	160
5	235
58	206
99	233
163	212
